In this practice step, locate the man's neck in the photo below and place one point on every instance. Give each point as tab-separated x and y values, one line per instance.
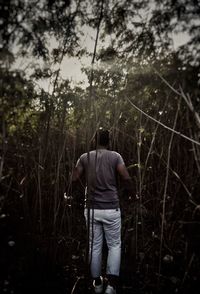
101	147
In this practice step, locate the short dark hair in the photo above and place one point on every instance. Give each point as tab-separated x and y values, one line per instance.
102	137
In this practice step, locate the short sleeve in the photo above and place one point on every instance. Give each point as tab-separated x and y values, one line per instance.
79	164
119	159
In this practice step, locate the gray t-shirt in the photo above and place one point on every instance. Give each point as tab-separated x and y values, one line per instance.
100	168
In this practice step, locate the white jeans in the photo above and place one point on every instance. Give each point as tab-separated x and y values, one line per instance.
108	222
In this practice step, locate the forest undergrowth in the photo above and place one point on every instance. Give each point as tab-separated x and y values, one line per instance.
143	87
43	233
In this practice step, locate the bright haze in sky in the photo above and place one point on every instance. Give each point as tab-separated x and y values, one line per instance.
70	68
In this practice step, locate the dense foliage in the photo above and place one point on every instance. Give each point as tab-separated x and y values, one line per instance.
140	88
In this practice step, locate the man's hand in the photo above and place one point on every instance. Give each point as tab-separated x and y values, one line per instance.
134	197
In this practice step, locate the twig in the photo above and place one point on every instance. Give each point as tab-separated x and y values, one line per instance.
89	139
165	193
163	125
76	283
190	105
186	98
188	268
152	143
168	84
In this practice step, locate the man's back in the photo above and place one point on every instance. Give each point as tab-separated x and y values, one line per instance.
100	168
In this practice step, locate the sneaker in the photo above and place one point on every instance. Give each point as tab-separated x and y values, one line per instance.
110	290
98	288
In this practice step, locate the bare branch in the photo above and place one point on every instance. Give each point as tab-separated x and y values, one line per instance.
163	125
186	98
165	193
188	101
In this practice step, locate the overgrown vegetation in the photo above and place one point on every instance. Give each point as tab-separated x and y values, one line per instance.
147	94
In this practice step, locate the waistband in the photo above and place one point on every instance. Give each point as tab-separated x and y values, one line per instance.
102	205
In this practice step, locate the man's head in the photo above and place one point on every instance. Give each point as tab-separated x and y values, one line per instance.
102	138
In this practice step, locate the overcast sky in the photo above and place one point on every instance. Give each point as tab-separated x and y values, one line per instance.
71	67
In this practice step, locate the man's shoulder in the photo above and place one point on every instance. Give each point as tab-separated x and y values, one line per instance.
93	152
84	155
117	157
87	154
115	153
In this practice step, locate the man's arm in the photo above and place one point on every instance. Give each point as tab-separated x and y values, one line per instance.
73	190
77	173
75	177
124	174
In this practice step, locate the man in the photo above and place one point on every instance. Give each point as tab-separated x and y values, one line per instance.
102	211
